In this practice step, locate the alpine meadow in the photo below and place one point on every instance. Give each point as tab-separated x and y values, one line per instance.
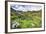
23	16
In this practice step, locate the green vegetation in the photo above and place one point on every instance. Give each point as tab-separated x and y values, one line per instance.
29	19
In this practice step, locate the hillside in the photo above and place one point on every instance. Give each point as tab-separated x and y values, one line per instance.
29	19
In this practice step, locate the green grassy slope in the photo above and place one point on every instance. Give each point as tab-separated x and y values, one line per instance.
30	19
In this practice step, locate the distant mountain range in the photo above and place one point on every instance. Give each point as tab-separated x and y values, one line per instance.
26	7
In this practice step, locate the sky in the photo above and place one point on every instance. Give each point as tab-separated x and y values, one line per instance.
26	7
